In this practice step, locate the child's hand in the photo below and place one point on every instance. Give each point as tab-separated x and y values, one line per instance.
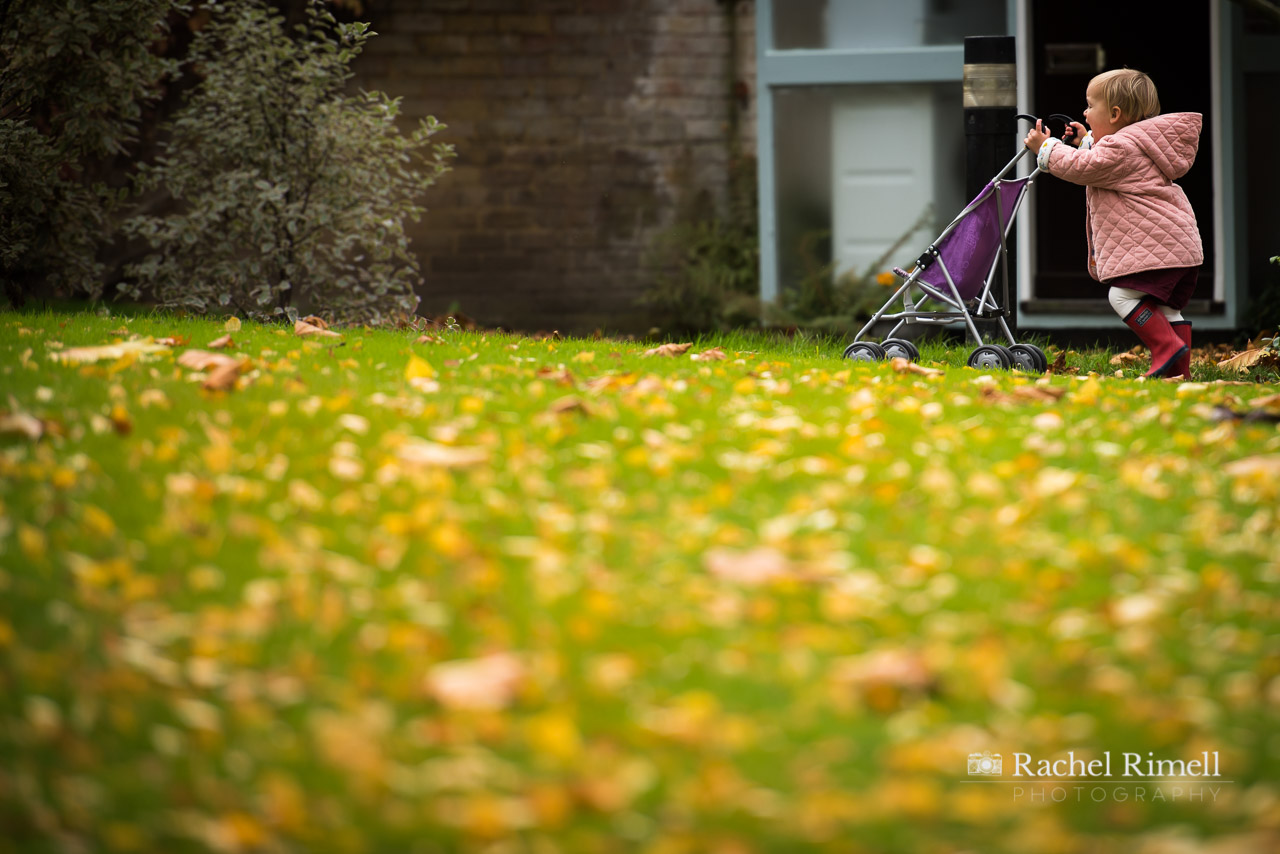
1036	137
1074	133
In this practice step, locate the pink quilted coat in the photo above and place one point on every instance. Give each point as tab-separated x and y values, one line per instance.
1136	218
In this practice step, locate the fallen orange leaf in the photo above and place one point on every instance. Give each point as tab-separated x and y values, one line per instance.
202	360
484	683
304	329
668	350
757	566
906	366
223	377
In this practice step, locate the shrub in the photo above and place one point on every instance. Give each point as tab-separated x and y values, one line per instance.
706	268
290	193
823	300
74	78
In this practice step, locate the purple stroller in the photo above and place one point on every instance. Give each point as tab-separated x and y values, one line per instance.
957	270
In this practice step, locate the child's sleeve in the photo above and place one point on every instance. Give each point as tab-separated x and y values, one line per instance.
1097	166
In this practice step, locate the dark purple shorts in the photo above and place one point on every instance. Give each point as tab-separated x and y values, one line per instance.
1173	286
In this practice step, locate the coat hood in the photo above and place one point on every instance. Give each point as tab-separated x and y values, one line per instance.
1170	140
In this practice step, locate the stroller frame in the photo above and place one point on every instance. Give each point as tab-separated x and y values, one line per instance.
957	308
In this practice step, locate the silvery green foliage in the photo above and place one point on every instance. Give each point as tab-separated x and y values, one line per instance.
290	192
74	78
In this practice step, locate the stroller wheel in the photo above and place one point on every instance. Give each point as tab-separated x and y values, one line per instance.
899	348
989	356
864	351
1030	358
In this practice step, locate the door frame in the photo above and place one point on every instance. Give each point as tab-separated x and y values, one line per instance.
1227	202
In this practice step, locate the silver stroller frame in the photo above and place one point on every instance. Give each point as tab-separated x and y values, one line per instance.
984	307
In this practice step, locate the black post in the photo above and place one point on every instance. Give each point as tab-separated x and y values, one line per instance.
990	130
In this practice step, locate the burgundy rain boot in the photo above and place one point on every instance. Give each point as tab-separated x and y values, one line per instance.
1151	326
1182	367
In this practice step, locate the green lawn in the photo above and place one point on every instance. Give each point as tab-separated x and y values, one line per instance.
491	593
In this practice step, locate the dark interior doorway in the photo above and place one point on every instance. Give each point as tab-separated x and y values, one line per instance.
1175	50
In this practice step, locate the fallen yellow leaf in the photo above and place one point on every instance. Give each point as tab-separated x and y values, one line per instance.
418	368
81	355
424	453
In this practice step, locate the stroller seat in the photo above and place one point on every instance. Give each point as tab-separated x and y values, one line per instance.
957	272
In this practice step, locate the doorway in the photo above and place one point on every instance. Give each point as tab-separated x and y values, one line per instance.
1071	42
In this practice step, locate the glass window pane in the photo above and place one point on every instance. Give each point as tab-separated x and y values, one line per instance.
818	24
866	176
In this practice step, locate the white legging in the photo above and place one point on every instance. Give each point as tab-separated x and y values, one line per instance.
1125	300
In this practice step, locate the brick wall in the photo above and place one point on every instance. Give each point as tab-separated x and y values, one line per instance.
582	127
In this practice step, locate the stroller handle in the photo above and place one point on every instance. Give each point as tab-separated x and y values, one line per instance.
1053	117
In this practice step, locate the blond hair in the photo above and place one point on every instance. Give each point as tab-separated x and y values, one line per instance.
1130	90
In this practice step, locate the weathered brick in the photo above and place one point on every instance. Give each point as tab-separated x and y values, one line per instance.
581	127
525	24
466	23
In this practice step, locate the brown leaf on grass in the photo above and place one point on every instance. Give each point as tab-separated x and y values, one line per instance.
1271	401
173	341
203	360
223	376
428	339
316	320
906	366
433	454
570	403
757	566
559	375
885	678
1126	359
715	354
489	683
1060	365
1023	394
303	329
668	350
1247	359
222	343
21	424
1259	341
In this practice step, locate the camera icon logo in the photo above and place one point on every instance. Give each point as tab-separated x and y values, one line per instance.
986	763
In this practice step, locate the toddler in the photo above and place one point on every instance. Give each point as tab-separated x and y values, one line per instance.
1142	233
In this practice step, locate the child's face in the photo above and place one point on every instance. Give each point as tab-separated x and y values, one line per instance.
1101	118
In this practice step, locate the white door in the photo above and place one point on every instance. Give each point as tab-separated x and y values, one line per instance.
883	152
